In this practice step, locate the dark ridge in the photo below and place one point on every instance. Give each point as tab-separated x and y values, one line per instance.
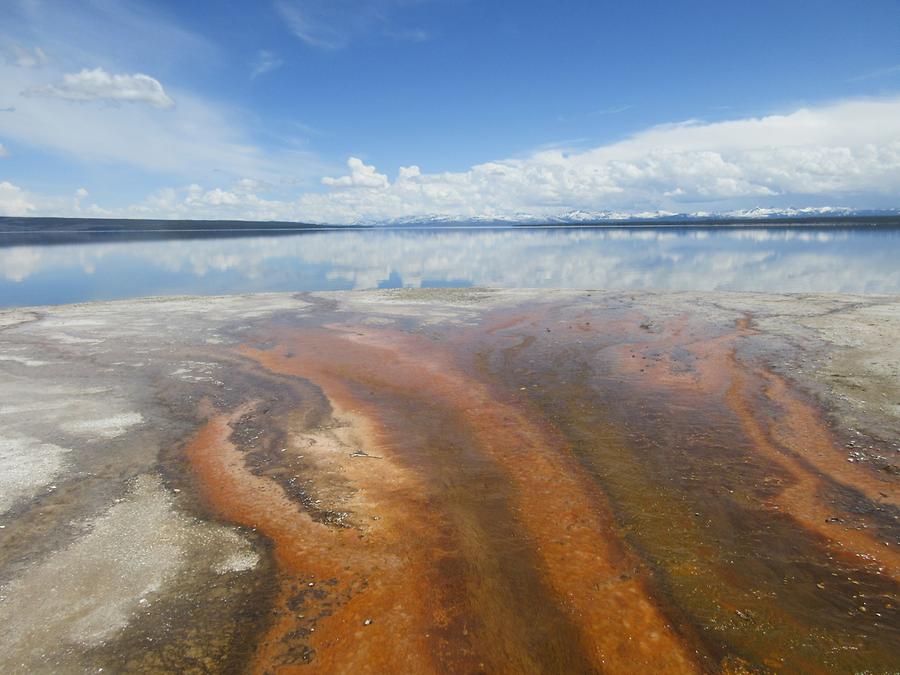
44	231
15	224
20	231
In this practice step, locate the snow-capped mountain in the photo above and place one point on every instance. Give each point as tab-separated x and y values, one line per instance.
583	217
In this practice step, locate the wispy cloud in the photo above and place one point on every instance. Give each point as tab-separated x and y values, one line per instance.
266	61
334	24
411	35
135	125
876	74
98	85
24	57
610	110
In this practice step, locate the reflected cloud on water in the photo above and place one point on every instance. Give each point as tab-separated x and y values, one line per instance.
753	259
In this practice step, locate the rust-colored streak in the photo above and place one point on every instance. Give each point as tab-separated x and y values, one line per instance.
798	443
511	485
596	581
794	437
727	479
381	575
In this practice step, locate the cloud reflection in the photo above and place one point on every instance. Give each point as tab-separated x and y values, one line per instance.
785	260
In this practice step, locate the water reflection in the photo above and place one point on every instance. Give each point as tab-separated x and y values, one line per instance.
755	259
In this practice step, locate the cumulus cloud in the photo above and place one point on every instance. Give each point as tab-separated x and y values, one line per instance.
848	152
849	148
23	57
266	62
250	185
213	137
209	136
80	195
98	85
13	200
361	175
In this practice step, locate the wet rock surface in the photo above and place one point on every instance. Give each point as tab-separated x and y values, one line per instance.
451	481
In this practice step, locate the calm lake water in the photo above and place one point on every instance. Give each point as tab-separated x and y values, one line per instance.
789	259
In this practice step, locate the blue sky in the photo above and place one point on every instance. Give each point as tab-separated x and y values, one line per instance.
341	110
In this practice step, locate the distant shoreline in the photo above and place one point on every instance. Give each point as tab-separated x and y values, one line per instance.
29	226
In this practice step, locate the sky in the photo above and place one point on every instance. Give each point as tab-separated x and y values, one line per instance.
342	111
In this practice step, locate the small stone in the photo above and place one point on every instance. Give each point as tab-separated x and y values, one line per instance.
367	622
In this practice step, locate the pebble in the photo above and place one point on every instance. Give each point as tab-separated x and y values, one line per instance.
367	622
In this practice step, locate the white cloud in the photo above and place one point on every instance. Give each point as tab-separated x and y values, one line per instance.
250	185
266	62
98	85
80	195
197	138
13	200
3	151
849	148
847	152
611	110
23	57
361	175
334	24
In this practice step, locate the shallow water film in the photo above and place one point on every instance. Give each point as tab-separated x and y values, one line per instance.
453	481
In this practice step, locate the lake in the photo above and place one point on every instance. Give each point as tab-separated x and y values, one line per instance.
803	258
